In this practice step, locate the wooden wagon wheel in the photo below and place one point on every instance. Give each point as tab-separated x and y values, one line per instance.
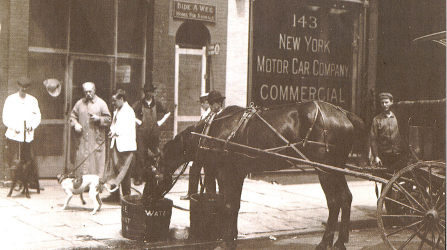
419	192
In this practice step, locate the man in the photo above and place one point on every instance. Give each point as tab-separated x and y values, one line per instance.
386	143
215	99
194	171
21	116
123	144
151	115
90	118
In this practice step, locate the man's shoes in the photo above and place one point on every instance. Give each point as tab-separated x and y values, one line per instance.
113	198
185	197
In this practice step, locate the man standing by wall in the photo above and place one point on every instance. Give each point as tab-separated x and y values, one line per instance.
90	118
152	115
21	115
123	144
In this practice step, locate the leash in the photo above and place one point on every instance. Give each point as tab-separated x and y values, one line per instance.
80	164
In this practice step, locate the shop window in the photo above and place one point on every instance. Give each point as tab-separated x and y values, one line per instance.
130	26
128	77
92	26
40	68
48	25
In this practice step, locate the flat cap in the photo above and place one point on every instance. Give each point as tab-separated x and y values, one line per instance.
385	95
24	81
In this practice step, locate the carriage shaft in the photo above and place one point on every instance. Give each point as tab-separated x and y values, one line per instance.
229	145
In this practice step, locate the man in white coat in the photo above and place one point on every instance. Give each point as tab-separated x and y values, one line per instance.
123	144
21	116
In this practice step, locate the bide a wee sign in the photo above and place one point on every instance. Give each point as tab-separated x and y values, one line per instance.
194	11
301	52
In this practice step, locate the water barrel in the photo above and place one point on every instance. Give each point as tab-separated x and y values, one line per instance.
145	221
206	216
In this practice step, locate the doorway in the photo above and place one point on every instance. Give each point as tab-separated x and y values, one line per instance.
190	70
191	67
99	70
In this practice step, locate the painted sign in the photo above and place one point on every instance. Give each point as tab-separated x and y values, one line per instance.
123	74
301	52
213	49
194	11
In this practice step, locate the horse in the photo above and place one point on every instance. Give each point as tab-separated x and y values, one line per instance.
314	130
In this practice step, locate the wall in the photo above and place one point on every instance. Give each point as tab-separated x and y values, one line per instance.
165	28
237	55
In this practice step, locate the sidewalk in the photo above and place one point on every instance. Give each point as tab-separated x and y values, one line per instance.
266	209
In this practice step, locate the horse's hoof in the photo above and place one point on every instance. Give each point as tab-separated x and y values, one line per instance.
339	246
321	246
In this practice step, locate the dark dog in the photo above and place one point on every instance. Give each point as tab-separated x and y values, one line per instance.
21	171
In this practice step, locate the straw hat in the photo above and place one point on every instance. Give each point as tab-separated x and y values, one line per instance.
53	87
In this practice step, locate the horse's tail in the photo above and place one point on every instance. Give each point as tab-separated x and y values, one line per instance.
361	145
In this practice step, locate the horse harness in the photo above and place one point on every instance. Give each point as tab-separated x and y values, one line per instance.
252	111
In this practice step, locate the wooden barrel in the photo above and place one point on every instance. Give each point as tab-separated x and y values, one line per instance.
145	221
206	216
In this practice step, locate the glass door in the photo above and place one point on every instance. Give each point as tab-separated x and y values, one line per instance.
99	70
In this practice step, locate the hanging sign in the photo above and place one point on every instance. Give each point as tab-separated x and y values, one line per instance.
194	11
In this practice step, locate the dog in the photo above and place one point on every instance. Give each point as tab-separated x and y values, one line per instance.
92	182
20	172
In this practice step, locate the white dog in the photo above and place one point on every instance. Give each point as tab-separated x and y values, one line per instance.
90	181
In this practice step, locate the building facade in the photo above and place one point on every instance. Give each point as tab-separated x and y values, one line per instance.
251	51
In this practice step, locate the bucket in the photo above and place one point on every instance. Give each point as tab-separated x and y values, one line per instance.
206	216
145	222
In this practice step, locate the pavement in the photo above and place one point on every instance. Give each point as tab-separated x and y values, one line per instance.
267	210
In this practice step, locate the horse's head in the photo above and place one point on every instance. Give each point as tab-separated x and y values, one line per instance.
177	151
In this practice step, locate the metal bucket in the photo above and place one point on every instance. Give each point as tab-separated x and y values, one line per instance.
206	216
145	221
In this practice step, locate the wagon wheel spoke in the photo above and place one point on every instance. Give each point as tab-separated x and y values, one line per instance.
423	236
411	237
441	192
430	183
404	205
409	197
420	189
440	234
433	238
403	228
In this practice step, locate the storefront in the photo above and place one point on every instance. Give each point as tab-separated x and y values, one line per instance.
179	46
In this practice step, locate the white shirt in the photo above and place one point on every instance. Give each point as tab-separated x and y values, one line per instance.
205	113
16	111
123	129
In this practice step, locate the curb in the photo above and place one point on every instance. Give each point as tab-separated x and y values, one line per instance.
179	244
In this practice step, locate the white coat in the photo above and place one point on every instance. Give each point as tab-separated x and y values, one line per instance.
123	129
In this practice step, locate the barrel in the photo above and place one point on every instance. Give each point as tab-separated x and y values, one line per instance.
145	221
206	216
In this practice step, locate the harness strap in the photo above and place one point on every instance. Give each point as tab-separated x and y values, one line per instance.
249	112
325	131
282	137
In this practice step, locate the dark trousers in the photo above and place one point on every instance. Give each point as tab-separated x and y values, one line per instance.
147	148
15	150
194	177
